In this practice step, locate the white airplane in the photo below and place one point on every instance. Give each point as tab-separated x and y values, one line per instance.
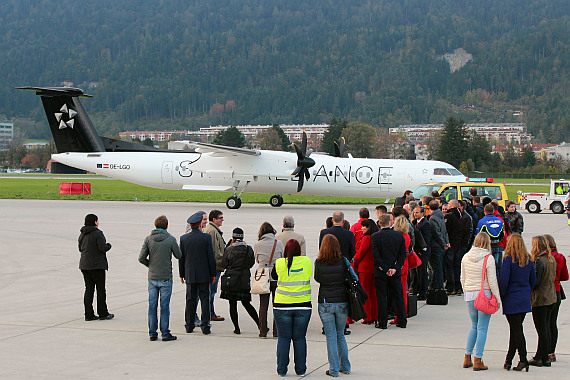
220	168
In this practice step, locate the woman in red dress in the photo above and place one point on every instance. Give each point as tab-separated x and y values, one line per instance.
364	266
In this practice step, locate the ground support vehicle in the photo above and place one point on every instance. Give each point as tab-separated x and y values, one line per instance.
554	201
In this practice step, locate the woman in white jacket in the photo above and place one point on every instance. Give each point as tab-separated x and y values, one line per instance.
471	275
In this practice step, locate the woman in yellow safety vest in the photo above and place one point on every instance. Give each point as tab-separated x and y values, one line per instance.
292	306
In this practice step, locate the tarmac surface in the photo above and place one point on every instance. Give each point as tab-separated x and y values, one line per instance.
43	333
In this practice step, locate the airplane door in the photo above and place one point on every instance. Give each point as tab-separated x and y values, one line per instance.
167	172
385	179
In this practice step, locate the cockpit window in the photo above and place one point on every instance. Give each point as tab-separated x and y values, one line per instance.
440	171
454	171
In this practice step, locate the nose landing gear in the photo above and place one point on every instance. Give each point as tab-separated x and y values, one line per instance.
234	202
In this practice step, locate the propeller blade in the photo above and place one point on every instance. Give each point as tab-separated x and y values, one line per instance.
300	184
300	154
342	146
304	143
296	171
307	175
336	150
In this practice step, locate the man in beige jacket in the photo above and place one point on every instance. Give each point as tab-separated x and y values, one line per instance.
288	233
216	218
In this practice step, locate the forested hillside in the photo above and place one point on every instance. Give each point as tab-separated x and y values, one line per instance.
185	63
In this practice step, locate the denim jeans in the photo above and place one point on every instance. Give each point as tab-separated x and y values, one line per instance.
333	316
213	291
478	333
292	326
498	256
164	289
435	261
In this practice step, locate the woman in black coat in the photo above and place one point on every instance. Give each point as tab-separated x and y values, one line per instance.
237	260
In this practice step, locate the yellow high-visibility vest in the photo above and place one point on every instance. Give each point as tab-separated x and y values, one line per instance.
293	285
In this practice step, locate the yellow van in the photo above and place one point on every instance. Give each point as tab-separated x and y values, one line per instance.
460	190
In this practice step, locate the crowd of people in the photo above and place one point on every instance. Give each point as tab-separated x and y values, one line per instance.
418	248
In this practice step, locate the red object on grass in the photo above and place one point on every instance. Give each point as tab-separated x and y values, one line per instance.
75	188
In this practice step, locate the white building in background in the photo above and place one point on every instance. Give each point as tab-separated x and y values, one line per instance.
514	133
6	135
294	132
563	150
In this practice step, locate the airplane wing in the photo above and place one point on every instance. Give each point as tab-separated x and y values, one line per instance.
222	151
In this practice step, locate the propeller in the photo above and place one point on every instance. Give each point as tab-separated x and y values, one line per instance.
339	147
303	163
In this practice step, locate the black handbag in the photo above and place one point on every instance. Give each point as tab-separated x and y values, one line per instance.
436	297
356	296
230	280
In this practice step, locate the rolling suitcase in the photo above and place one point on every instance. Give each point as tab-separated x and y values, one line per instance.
436	297
412	305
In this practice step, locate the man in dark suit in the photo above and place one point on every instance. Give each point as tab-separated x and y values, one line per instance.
389	251
345	237
197	268
422	224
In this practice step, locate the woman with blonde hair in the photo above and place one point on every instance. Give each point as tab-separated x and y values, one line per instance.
543	298
471	276
402	225
515	284
561	275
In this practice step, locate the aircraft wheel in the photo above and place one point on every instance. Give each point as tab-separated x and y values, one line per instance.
533	207
557	208
276	201
233	202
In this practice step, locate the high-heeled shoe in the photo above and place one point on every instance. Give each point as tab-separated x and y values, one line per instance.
521	366
536	363
507	365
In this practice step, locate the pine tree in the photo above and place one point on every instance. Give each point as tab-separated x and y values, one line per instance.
332	134
285	142
454	144
230	137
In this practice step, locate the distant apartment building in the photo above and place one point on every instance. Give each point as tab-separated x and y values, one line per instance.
563	150
6	135
541	151
294	132
509	132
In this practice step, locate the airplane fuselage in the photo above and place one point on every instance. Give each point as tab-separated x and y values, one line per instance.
268	172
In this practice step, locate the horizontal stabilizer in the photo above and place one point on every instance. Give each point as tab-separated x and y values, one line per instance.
57	91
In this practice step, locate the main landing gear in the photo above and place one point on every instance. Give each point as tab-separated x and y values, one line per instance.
276	200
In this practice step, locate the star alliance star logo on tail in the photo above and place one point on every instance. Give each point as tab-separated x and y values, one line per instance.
68	120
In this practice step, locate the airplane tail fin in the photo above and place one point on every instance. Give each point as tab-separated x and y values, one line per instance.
70	126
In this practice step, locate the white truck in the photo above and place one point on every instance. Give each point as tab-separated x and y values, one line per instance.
536	202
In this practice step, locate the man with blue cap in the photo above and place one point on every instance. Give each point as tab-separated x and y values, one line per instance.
197	268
